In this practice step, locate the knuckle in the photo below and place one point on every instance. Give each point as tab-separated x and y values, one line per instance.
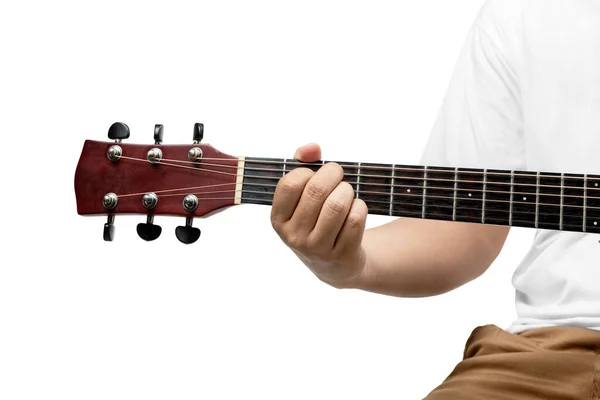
316	191
313	243
335	206
296	242
317	247
289	185
354	221
293	181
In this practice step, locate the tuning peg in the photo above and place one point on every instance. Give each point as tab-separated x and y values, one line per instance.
109	229
118	131
149	231
110	201
187	234
158	133
198	132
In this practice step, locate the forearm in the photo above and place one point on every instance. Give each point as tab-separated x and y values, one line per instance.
419	258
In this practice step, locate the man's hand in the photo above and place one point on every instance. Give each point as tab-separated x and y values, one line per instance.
317	216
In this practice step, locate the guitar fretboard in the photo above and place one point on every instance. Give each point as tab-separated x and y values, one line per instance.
543	200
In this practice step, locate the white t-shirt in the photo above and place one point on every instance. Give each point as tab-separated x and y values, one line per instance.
525	95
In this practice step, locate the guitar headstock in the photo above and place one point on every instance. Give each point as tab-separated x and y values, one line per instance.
189	180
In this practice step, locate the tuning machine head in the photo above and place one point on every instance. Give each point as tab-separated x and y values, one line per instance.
118	131
187	234
109	229
198	132
159	131
109	202
149	231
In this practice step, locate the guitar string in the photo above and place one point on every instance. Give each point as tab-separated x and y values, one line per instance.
408	187
270	198
176	190
348	164
375	176
432	215
373	184
418	214
363	192
451	171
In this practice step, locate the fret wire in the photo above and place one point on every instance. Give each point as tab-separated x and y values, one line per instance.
434	216
510	212
483	196
585	185
358	180
454	196
392	192
537	200
424	192
440	197
407	168
416	186
375	184
435	197
415	178
401	203
563	195
562	190
437	180
389	177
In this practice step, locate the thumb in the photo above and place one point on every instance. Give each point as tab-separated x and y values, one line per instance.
308	153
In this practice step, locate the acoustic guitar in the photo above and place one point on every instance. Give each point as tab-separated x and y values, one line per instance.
196	179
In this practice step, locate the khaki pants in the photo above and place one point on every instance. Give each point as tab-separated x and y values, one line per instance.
547	363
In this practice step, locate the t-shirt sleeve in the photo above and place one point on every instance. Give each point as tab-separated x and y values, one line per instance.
480	123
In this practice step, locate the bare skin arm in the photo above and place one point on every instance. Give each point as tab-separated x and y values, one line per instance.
416	258
317	216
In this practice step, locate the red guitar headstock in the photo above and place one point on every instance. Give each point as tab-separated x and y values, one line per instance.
187	180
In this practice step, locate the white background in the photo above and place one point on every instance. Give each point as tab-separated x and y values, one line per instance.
235	315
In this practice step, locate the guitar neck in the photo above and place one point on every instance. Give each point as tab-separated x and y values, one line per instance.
555	201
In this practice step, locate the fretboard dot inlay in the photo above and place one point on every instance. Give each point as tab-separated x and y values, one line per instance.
541	200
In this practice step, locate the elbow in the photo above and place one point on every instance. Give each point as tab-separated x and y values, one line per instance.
481	254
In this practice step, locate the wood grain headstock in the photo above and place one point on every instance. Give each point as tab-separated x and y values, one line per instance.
113	177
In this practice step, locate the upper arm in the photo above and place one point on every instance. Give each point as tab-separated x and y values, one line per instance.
480	123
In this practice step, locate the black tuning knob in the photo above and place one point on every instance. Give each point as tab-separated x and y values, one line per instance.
109	229
187	234
149	231
198	132
118	131
158	133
